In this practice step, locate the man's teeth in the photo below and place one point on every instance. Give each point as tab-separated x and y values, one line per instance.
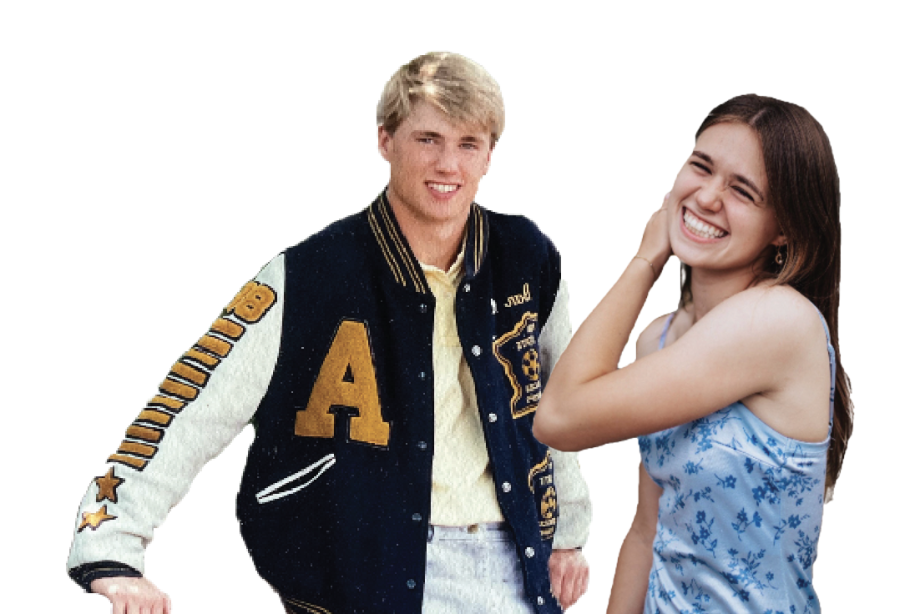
699	227
442	187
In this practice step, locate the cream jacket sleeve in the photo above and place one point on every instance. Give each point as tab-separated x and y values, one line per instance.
208	397
572	491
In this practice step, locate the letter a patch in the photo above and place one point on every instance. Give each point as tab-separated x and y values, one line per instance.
346	379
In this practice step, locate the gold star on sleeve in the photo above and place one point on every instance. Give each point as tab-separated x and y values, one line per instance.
94	519
107	485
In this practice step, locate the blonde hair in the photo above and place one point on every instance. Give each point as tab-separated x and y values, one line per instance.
451	82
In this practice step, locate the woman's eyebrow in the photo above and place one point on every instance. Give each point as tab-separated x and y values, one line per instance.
702	156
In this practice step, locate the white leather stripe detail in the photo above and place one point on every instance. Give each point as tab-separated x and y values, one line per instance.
268	494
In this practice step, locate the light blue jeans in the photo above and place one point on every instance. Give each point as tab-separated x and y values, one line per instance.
473	569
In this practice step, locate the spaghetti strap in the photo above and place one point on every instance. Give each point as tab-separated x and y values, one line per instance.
662	337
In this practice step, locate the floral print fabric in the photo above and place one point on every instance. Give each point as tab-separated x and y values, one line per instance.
739	515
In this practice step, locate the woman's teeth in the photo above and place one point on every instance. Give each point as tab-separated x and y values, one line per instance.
701	228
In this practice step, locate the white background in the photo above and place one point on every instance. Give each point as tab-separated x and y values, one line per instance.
154	156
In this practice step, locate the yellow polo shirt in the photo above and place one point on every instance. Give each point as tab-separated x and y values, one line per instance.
462	484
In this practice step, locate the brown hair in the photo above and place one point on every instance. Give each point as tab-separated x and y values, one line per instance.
805	194
453	83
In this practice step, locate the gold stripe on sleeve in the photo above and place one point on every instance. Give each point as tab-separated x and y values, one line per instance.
137	463
217	346
189	373
228	328
171	404
155	417
138	449
144	433
202	357
178	389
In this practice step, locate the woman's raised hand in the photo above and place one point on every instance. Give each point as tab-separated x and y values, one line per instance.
655	246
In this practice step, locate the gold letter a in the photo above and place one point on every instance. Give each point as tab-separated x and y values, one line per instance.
347	379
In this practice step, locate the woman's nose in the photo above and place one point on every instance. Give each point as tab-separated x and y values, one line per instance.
709	197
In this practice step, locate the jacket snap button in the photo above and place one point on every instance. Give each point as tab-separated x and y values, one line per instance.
466	288
506	486
411	584
476	350
529	552
492	417
540	601
417	517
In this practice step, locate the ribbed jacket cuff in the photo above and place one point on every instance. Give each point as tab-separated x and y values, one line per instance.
83	575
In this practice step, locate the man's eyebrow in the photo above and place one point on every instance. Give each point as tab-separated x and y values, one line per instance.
428	133
740	178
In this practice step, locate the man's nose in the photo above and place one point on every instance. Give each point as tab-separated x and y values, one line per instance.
448	159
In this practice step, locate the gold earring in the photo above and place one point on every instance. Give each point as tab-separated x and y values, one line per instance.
779	257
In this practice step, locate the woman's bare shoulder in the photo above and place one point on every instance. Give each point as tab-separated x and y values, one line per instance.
777	315
781	306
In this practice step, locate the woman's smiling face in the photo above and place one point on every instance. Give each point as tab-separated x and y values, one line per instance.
720	217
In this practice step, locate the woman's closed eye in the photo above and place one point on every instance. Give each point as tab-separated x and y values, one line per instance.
701	166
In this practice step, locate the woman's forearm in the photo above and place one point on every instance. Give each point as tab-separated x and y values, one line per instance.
596	348
594	351
629	589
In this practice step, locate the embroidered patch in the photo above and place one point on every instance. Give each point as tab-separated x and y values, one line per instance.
107	485
540	480
516	351
191	373
94	519
346	379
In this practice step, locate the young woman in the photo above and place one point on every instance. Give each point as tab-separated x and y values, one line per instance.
739	398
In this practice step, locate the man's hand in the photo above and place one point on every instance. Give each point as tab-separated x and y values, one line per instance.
568	576
132	595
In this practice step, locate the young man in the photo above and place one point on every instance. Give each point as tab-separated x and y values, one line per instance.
391	365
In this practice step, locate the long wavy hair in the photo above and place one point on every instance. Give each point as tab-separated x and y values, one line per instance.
805	193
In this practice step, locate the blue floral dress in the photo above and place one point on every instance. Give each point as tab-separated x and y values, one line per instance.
739	515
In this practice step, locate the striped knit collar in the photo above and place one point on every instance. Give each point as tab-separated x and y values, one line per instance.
399	256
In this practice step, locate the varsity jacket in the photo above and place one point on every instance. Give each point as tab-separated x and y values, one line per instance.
328	351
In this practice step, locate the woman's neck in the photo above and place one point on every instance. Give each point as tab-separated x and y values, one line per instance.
710	287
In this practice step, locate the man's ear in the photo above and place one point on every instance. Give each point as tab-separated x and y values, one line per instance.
385	143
